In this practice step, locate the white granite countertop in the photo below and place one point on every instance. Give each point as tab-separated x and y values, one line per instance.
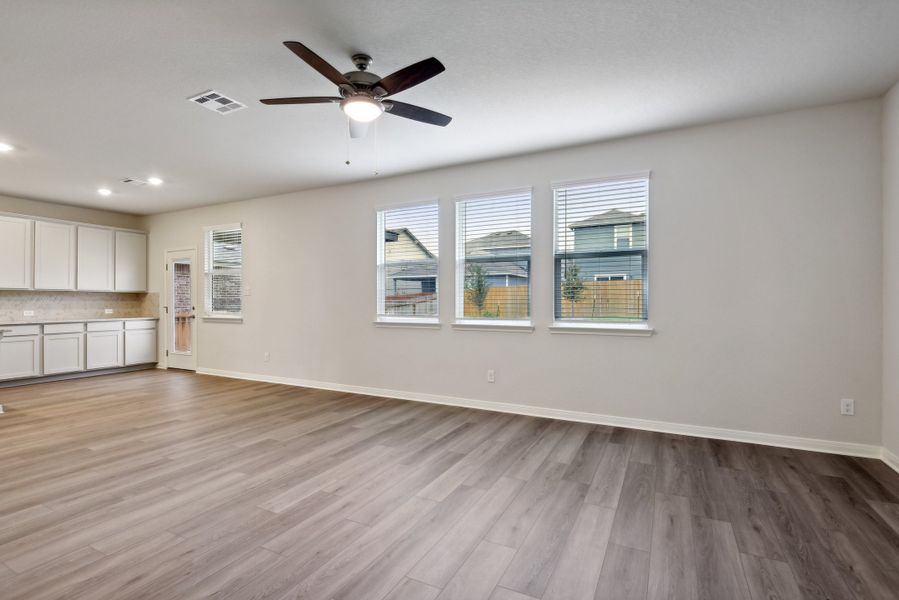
51	321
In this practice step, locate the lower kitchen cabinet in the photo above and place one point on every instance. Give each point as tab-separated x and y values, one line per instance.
20	353
140	342
105	349
63	353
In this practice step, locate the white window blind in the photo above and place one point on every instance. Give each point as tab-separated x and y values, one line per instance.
408	262
493	256
223	268
601	250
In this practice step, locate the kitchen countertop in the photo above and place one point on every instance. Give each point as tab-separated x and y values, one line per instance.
51	321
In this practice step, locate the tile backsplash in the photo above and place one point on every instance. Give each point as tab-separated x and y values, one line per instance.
53	306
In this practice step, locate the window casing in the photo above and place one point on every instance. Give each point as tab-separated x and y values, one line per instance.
223	271
408	263
601	251
493	257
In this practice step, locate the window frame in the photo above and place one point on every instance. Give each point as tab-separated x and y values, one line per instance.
382	319
611	327
462	322
208	313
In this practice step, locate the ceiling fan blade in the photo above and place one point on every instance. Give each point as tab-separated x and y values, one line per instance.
416	113
410	76
318	63
357	129
301	100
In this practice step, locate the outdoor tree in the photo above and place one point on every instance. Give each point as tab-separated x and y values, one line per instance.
572	286
476	285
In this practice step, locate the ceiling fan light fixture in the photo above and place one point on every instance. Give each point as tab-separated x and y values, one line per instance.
362	108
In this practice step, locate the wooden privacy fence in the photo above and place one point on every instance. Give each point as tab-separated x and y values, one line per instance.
183	325
599	299
608	300
502	302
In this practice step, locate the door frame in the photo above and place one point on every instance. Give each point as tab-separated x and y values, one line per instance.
164	307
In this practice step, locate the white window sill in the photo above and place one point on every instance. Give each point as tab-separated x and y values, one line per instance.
629	329
423	323
494	325
223	318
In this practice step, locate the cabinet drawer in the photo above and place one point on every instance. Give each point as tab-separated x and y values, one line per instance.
16	330
148	324
51	328
105	326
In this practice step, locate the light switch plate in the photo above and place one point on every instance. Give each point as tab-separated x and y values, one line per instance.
29	313
107	311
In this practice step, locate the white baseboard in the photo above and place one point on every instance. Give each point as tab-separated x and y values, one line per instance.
735	435
890	459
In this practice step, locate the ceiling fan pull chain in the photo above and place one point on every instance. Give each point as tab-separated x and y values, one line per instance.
348	146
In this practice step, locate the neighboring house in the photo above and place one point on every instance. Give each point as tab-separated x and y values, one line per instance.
610	245
497	252
410	268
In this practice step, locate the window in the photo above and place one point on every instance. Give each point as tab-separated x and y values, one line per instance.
223	268
407	263
623	235
493	256
601	250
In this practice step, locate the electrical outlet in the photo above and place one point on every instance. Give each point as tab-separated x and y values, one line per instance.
247	291
29	313
847	407
266	356
107	311
491	376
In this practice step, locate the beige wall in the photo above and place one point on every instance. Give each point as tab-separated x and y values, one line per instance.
52	210
891	271
765	282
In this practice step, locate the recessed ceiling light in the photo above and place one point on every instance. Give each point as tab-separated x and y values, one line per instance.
104	191
4	147
154	180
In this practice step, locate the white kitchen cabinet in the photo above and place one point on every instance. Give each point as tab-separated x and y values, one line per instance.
130	261
105	349
20	351
140	345
96	259
54	256
63	353
15	251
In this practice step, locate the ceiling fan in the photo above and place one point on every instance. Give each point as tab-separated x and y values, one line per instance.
363	95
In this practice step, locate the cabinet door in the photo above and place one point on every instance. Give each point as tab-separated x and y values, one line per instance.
15	250
130	261
63	353
20	357
105	349
140	346
96	259
54	256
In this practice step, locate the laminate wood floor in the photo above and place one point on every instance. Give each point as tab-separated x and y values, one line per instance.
168	485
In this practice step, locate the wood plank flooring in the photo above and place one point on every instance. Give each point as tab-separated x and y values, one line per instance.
170	485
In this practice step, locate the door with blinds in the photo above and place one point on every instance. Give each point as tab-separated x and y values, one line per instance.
180	309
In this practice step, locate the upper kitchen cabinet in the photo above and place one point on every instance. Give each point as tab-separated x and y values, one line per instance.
54	256
96	259
130	261
15	250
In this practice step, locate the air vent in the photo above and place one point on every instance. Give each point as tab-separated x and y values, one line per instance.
134	181
217	102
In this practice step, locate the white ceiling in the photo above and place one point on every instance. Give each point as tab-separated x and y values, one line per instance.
95	90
